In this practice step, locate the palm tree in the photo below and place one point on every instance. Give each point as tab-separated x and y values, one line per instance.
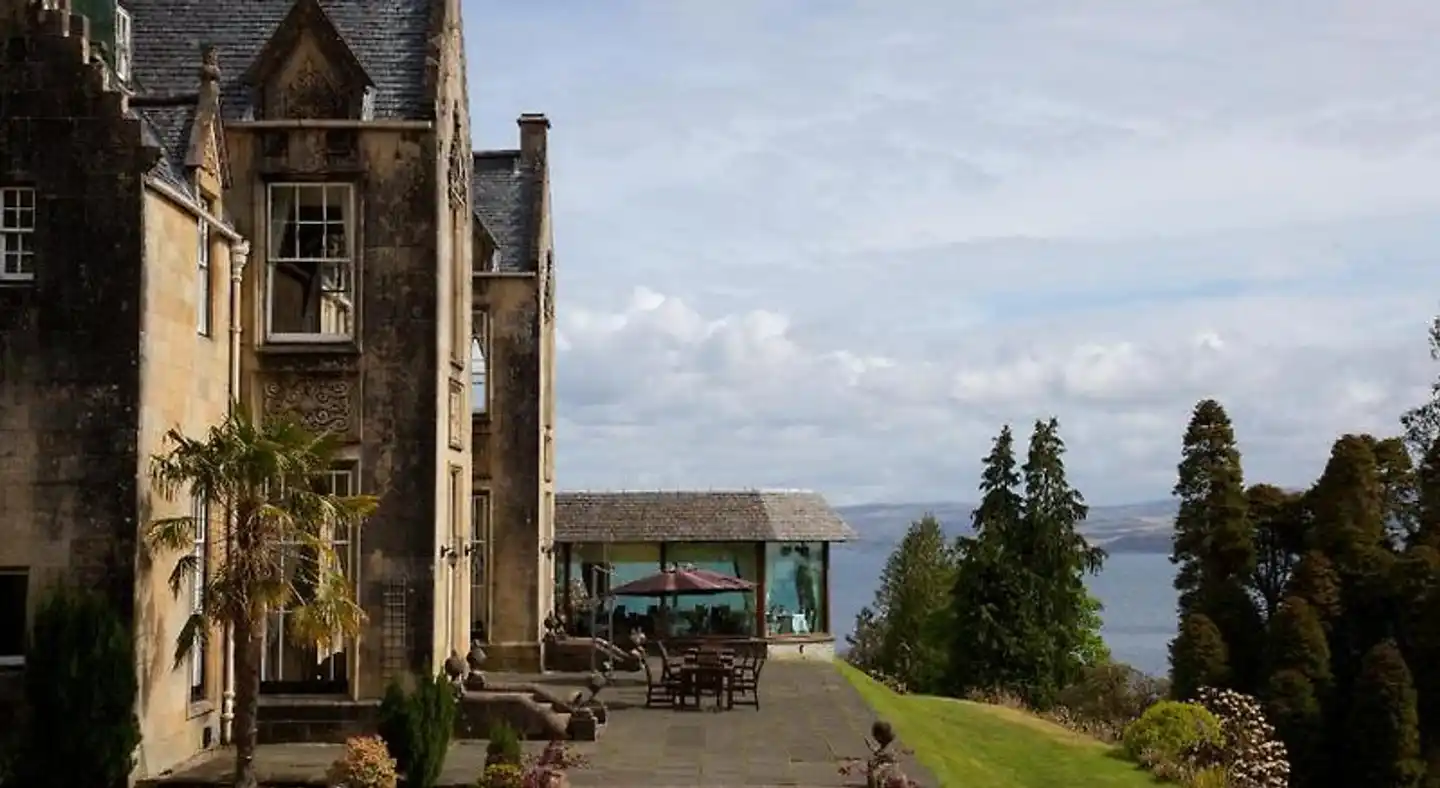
264	476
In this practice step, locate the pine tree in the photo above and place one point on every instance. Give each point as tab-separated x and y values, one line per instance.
1059	558
914	593
1383	742
1292	705
1214	546
1297	642
1198	657
990	603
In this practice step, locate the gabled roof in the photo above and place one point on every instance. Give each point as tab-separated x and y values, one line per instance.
712	516
305	15
503	189
389	40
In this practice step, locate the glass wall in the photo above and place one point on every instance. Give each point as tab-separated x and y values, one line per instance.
730	614
594	569
795	588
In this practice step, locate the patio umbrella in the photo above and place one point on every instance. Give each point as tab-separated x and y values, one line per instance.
683	581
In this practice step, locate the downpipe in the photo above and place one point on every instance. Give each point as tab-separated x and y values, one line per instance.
239	256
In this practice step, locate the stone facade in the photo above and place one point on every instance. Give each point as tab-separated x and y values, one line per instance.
333	138
514	422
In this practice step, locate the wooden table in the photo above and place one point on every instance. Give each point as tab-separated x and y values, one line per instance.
697	677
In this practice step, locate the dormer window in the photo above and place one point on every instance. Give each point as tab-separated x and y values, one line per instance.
122	44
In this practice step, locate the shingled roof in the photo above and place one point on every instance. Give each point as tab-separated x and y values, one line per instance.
737	516
389	38
503	190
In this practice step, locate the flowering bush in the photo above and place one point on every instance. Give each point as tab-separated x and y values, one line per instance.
546	770
501	775
1248	752
365	764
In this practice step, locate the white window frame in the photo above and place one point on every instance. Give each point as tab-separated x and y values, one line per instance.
345	293
17	233
124	41
480	364
18	660
200	512
343	475
205	290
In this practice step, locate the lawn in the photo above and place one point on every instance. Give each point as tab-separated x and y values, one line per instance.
967	744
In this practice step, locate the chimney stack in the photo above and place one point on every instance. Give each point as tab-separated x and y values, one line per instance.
534	127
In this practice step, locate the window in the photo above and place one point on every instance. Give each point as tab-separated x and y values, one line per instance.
795	588
459	273
204	293
285	665
14	595
311	292
200	511
479	536
17	234
480	364
122	44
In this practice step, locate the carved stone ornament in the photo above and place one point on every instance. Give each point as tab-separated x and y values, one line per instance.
320	404
547	294
459	162
311	94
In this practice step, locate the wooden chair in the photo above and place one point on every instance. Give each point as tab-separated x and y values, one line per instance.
745	678
663	689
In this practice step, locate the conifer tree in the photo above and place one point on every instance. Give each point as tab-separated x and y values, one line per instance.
1214	548
990	600
1278	520
1198	657
1382	746
914	594
1058	556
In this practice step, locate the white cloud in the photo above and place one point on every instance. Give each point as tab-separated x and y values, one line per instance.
836	246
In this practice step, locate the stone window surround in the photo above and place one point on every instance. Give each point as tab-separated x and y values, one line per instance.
480	363
347	297
344	466
200	511
18	209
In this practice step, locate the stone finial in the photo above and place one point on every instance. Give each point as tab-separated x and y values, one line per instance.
209	63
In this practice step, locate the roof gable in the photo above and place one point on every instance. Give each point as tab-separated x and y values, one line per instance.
304	16
389	37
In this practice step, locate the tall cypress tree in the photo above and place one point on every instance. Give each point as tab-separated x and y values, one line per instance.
1214	545
1383	745
1298	686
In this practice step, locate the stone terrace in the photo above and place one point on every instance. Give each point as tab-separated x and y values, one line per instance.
809	719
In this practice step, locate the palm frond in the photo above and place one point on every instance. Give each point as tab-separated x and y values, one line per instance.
196	630
171	533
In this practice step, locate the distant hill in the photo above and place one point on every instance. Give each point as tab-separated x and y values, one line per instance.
1128	528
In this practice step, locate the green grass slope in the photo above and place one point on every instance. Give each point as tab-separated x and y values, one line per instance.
972	744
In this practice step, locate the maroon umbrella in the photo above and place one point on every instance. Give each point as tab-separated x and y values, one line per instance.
683	581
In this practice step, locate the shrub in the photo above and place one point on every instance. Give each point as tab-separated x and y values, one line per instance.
365	764
1168	730
501	775
1248	751
79	680
1112	694
417	727
504	745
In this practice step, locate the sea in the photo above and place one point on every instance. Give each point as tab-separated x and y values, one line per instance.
1137	590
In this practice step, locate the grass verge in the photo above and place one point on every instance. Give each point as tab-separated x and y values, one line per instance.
972	744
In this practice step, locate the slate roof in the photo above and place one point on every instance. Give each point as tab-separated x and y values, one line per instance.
388	37
735	516
168	128
503	190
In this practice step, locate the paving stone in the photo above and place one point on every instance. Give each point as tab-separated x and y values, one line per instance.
810	719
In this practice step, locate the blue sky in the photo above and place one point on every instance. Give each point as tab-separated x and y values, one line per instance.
836	245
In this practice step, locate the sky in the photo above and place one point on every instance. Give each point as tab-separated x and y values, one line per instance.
837	245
